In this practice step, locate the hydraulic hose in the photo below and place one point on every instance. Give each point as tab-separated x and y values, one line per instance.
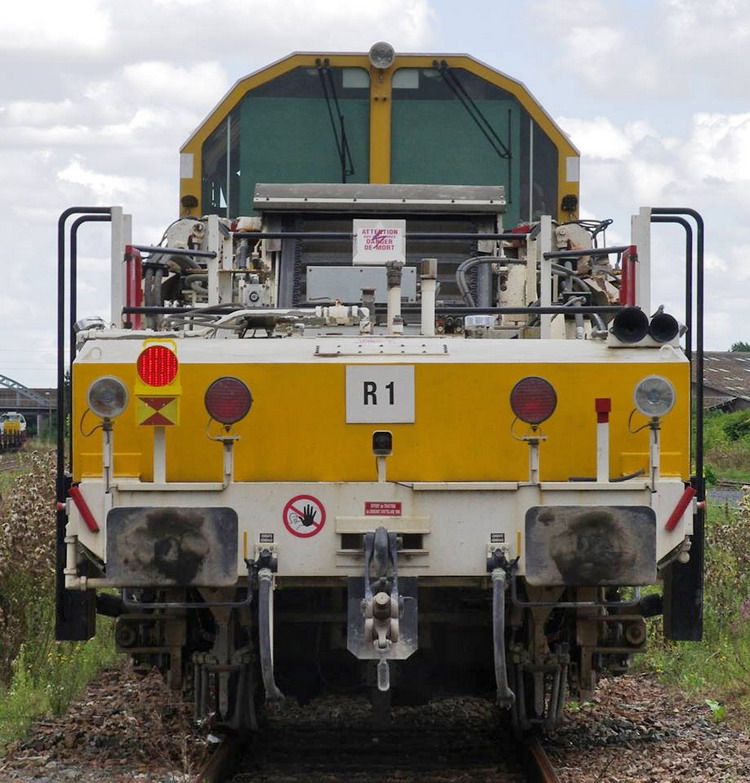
505	696
265	578
557	269
468	264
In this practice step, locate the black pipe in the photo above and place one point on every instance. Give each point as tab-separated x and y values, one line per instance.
551	310
688	277
684	582
73	277
176	251
591	251
74	612
61	406
548	310
699	284
347	235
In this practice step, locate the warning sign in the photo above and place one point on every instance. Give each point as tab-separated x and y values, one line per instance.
304	516
380	508
378	241
157	411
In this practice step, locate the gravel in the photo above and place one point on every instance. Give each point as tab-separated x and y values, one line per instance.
126	728
130	728
636	729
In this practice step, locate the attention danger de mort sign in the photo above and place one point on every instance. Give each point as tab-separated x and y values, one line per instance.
378	241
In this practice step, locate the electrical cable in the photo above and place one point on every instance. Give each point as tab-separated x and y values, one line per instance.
80	425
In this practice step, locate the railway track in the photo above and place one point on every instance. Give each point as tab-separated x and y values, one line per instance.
730	484
447	741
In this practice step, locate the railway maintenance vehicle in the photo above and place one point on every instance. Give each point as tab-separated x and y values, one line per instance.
12	431
381	410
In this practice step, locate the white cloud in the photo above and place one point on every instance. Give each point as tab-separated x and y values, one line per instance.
708	168
720	146
165	84
55	26
103	187
22	113
597	138
715	263
664	48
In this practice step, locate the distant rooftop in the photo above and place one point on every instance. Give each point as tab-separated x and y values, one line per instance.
726	378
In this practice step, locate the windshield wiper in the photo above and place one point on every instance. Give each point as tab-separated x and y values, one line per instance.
337	118
485	126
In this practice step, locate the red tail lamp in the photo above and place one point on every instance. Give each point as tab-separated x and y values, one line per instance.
228	400
533	400
157	365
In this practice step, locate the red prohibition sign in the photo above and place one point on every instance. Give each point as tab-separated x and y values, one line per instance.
304	516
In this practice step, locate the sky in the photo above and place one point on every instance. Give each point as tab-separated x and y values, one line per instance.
98	97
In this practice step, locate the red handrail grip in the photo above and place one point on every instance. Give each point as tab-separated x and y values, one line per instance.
627	279
133	275
138	275
83	509
679	509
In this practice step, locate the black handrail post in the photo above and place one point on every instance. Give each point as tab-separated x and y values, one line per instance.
73	276
684	581
75	618
688	277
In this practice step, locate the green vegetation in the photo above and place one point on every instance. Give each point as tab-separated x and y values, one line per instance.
47	675
38	676
719	666
727	446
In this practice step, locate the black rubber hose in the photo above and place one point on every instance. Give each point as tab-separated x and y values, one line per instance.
265	578
505	696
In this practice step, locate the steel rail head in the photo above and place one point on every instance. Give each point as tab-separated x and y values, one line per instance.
538	766
222	763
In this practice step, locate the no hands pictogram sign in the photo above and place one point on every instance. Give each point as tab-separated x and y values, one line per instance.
304	516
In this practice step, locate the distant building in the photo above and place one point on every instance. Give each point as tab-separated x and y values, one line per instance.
726	380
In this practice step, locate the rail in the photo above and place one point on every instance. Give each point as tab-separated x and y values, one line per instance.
536	762
222	763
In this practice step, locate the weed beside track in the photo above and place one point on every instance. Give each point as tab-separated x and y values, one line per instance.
38	675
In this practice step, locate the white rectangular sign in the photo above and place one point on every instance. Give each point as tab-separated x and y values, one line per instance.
378	241
379	394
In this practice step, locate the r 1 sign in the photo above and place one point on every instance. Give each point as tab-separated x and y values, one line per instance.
379	394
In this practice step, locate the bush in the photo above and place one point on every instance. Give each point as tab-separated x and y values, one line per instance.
719	666
738	428
726	438
27	555
38	675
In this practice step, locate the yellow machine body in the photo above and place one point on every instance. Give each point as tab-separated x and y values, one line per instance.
463	430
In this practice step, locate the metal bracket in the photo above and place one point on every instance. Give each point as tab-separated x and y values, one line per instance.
382	608
571	604
246	601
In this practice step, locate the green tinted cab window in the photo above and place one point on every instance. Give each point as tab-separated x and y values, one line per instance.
307	125
452	127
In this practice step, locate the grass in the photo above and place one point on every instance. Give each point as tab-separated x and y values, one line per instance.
718	668
38	675
48	675
727	445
